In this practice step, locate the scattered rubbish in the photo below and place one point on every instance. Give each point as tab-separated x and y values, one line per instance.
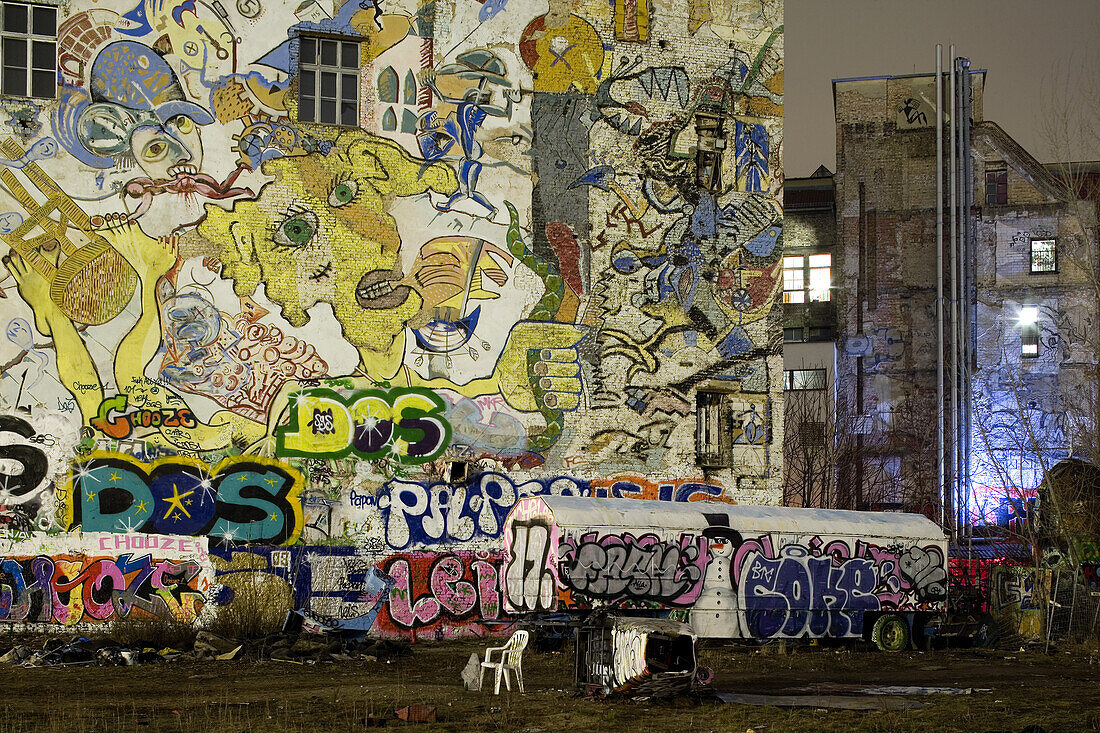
471	677
842	702
284	647
416	713
661	662
230	654
915	690
861	689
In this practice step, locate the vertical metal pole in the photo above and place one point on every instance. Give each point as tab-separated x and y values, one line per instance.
941	413
954	308
968	280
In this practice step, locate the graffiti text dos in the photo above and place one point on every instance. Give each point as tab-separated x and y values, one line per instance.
404	423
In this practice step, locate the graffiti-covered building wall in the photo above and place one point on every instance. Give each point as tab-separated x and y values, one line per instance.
327	286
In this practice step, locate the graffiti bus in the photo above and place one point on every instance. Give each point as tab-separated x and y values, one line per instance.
730	571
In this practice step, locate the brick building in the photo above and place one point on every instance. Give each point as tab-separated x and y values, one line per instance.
333	283
1025	371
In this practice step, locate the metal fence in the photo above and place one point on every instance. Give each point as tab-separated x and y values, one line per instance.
1073	608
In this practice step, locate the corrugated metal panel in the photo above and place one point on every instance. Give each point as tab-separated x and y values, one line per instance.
571	512
991	551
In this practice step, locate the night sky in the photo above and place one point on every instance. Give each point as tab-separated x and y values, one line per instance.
1024	46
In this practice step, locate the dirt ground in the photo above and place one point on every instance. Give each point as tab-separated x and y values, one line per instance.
1059	692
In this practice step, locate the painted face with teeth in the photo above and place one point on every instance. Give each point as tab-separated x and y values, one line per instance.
169	150
320	233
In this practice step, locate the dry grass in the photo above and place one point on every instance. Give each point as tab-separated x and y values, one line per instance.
1056	692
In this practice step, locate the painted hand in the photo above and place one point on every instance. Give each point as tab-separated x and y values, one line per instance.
553	347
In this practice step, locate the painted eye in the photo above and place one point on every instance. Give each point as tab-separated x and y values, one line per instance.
154	151
296	230
626	262
343	193
183	123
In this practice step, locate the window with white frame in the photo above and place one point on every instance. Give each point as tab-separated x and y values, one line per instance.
807	279
1044	255
821	276
328	81
794	279
1029	331
28	50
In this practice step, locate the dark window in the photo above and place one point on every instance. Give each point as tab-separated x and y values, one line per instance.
811	434
713	429
1044	255
996	187
821	333
28	50
793	335
804	379
328	81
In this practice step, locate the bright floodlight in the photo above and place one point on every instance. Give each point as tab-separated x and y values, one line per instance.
1029	314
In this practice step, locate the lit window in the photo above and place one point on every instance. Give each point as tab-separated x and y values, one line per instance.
804	379
1044	255
1029	331
821	268
28	50
328	81
807	279
996	187
794	280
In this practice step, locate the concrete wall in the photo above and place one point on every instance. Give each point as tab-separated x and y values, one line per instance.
359	344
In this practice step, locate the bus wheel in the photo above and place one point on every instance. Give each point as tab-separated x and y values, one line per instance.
890	633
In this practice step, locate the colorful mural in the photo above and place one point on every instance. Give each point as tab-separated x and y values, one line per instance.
357	276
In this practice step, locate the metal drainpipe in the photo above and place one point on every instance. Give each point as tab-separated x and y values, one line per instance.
941	414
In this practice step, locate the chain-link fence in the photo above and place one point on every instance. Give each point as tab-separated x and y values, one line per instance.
1073	608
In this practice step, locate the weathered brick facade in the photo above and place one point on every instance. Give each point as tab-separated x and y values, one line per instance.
328	285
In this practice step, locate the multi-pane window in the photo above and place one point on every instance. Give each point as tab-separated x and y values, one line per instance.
713	429
807	279
28	50
1044	255
794	279
1029	331
821	273
996	187
328	81
804	379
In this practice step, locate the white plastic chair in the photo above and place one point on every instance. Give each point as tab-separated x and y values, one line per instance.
511	659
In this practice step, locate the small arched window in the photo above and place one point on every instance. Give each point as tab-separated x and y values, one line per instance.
389	120
387	85
410	88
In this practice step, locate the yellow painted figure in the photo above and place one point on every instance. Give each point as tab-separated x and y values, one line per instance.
321	233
